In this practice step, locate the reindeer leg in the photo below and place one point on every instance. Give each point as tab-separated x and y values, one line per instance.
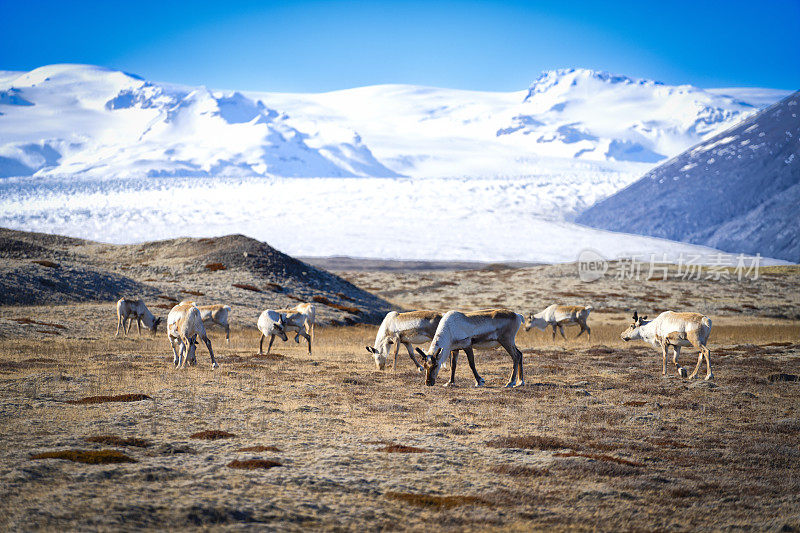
261	345
269	346
210	352
676	352
479	381
139	325
119	320
554	332
707	355
521	380
663	358
453	361
512	382
411	355
581	331
227	333
561	330
396	351
308	338
175	357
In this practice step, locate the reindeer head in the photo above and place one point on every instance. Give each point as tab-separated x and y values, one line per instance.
431	364
381	353
156	322
191	358
633	330
279	329
532	321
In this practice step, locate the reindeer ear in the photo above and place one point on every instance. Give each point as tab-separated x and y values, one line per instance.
438	352
423	354
370	349
635	316
644	318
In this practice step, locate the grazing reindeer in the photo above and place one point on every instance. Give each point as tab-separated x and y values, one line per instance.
674	330
559	316
184	324
128	309
462	331
216	314
270	323
414	327
300	319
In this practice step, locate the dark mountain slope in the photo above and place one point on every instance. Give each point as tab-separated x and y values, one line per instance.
738	191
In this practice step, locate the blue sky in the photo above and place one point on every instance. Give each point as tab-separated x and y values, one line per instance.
312	46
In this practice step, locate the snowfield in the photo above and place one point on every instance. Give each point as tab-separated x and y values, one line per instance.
432	219
390	171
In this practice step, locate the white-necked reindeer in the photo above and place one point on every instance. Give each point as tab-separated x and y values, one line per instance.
674	330
128	309
558	316
270	324
463	331
217	314
299	319
184	325
414	327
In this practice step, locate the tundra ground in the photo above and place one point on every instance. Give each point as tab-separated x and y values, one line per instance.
597	439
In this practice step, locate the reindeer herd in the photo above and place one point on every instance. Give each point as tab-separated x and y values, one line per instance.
448	333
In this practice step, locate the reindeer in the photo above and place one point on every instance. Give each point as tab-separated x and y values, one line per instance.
127	309
558	316
216	314
463	331
270	323
414	327
184	324
300	319
674	330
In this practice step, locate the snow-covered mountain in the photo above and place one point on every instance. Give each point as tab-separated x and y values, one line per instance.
738	191
101	154
81	120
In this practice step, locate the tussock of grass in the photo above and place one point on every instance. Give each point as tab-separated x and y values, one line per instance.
247	287
325	301
400	448
531	442
519	470
259	448
434	501
91	400
91	457
38	323
600	457
253	464
194	293
45	263
168	298
213	267
212	434
113	440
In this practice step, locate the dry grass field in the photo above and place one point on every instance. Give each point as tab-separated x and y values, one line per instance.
597	439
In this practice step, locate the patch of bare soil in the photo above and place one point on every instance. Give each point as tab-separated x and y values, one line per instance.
113	440
212	434
90	457
253	464
92	400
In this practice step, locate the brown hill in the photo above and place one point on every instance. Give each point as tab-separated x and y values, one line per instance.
38	268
